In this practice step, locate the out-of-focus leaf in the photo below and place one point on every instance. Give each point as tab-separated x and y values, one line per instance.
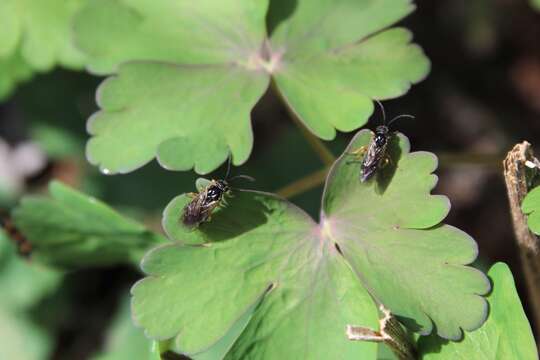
23	284
380	237
57	143
21	339
505	335
13	70
41	31
70	229
191	75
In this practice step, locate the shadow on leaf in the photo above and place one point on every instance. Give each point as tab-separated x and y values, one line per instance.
243	211
386	174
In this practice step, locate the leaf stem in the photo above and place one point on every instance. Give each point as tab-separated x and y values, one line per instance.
316	144
325	155
304	184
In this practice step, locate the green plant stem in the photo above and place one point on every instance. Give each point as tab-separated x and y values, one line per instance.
447	160
316	144
304	184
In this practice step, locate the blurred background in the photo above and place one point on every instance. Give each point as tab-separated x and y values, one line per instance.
481	97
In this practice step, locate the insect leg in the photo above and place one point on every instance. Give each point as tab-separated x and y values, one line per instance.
387	160
358	154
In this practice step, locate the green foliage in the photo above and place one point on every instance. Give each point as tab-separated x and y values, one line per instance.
531	207
505	335
535	4
187	76
311	279
23	285
12	71
73	230
35	36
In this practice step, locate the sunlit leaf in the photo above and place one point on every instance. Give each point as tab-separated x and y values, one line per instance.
70	229
332	59
380	238
506	334
389	232
187	74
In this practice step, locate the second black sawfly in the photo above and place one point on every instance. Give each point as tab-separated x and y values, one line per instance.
373	156
209	197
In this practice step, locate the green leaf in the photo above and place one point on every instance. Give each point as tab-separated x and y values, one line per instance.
41	31
73	230
531	207
334	59
187	77
21	339
189	116
23	285
189	104
56	142
506	334
535	4
389	232
13	70
379	238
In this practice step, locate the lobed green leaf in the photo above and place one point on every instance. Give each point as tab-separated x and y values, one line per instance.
73	230
187	77
374	240
506	334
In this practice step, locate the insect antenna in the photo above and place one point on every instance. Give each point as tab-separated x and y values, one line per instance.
247	177
401	116
228	167
382	110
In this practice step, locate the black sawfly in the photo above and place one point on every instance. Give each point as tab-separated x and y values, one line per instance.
210	196
374	154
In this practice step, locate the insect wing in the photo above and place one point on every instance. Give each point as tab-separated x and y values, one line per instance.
193	212
371	161
374	155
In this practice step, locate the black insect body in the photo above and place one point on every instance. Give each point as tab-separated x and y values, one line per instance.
200	208
374	155
203	203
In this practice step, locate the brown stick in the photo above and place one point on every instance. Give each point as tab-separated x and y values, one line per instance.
391	333
516	165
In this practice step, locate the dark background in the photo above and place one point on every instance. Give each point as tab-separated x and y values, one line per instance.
481	97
